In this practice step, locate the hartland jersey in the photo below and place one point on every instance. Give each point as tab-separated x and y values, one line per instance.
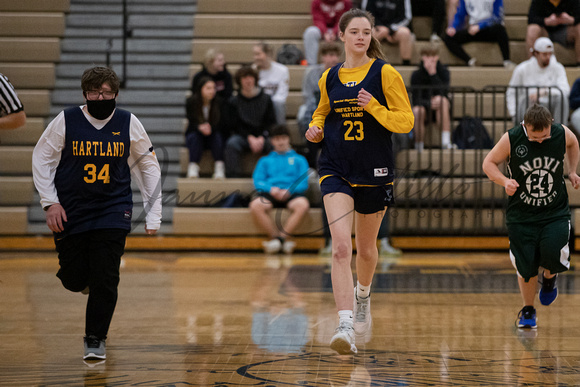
356	146
93	179
539	170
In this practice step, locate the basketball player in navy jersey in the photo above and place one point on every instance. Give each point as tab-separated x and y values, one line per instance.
363	101
82	168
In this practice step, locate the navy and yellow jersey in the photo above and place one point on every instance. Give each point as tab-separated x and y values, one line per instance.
93	179
357	142
539	170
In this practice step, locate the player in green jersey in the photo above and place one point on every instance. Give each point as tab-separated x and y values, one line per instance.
538	214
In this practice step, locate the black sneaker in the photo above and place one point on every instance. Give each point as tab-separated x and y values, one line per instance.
94	348
527	318
548	293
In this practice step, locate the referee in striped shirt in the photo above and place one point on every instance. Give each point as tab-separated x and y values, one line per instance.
12	114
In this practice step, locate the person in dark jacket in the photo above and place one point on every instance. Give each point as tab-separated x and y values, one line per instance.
559	20
430	84
204	129
214	66
251	115
393	24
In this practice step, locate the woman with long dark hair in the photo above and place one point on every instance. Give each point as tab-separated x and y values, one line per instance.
204	130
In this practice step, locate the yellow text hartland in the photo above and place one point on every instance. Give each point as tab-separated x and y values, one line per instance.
98	148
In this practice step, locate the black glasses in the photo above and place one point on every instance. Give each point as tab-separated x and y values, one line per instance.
94	94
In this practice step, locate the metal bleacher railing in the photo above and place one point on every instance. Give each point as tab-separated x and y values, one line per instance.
445	191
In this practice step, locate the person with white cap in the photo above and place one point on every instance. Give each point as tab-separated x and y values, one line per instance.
540	79
557	19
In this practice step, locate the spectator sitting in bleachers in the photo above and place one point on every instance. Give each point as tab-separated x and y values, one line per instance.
274	78
250	117
484	24
280	179
393	24
325	17
540	79
204	129
330	55
430	83
575	106
12	113
451	11
557	19
436	10
214	66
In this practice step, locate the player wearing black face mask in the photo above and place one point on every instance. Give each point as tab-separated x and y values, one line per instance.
101	108
82	167
100	93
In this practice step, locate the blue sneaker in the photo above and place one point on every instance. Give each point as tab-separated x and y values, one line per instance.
527	318
548	294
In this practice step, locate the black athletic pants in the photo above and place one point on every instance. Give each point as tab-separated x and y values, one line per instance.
495	33
92	259
435	9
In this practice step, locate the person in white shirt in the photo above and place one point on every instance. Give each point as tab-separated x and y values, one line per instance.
82	167
274	78
540	79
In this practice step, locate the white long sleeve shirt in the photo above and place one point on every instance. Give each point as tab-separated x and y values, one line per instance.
275	82
142	161
529	73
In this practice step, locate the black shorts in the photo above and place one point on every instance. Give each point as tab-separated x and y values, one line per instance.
277	203
367	199
559	34
535	245
90	256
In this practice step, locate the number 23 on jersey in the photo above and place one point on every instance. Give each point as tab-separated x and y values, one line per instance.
354	131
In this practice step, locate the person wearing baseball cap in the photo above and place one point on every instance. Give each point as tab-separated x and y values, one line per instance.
543	45
540	79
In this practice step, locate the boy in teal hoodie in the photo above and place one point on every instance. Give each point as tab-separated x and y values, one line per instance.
281	180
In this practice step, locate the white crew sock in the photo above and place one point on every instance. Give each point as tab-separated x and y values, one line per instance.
445	139
362	291
419	146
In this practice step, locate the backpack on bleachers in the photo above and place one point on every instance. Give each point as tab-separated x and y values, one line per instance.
471	134
289	54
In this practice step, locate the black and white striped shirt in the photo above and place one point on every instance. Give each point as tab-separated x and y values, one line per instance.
9	102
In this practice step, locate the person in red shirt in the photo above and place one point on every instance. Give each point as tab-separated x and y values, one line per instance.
325	17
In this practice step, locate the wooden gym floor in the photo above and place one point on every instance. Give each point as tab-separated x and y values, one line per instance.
220	319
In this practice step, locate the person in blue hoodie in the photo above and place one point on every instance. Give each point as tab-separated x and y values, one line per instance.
478	21
281	180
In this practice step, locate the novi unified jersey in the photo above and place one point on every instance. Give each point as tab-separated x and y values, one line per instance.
357	142
539	170
93	179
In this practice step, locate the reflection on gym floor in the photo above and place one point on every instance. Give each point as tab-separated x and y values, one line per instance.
253	320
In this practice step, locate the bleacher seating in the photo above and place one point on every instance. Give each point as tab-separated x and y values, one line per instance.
234	29
29	42
29	54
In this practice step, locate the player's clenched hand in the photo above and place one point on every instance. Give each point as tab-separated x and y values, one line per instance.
364	97
314	134
511	186
574	179
55	218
